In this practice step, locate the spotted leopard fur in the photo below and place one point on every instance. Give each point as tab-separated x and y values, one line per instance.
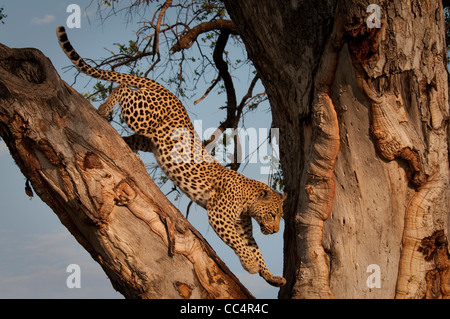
163	127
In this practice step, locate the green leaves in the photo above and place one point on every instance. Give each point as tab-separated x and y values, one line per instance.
109	3
100	94
130	49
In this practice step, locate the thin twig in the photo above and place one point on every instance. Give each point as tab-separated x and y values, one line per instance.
214	83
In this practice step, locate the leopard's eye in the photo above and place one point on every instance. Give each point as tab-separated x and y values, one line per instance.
267	218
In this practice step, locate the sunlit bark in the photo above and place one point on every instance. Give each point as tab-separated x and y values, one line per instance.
100	190
378	92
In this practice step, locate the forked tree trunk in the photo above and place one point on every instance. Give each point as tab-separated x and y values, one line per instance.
363	117
100	190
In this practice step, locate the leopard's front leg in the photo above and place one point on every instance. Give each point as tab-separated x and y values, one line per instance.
245	230
226	230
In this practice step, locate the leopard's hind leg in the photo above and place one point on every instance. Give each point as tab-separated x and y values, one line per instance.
139	143
115	97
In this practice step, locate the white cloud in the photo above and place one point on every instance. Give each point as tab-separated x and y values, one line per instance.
46	19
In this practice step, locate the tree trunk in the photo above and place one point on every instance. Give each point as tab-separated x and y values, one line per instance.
100	190
363	116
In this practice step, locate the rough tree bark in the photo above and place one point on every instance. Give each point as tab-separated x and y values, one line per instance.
363	117
100	190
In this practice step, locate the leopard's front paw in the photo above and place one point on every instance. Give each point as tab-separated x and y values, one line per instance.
276	281
105	113
271	279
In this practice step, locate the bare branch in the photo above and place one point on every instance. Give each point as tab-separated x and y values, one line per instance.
166	5
255	97
209	89
188	39
222	66
127	60
249	91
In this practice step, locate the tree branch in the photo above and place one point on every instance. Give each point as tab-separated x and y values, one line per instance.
209	89
188	39
100	190
222	66
156	52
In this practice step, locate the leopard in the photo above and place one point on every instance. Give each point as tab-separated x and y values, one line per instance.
161	125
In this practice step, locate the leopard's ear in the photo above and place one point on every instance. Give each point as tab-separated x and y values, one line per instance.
283	196
265	194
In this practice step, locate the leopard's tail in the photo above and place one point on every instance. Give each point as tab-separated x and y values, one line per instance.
111	76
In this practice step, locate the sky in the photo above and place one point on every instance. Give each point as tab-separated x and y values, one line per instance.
35	248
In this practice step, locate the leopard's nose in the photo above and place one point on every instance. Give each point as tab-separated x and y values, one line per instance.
276	228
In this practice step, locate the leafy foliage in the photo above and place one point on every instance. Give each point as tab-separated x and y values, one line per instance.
2	16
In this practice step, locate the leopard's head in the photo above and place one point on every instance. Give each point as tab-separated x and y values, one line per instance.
267	210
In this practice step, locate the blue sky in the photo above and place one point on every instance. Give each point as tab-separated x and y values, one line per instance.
35	249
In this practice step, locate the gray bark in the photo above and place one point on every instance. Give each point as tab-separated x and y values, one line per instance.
100	190
384	92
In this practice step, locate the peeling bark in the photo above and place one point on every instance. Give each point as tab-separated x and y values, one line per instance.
100	190
393	133
384	102
318	178
411	281
404	82
401	69
435	247
296	56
